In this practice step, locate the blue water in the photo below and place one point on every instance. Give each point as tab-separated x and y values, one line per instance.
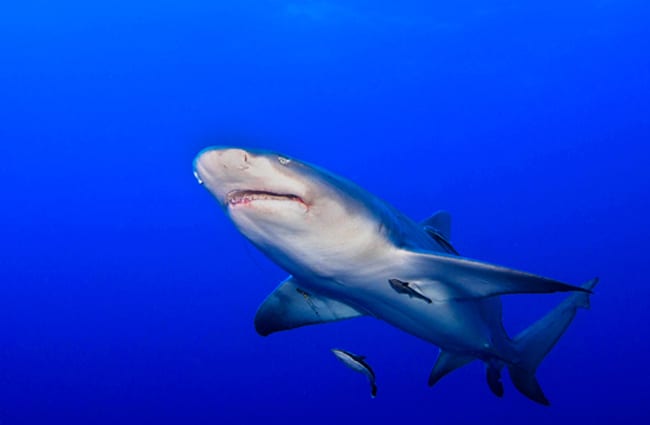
126	295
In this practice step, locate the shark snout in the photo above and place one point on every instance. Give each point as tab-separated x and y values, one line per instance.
217	161
224	158
237	159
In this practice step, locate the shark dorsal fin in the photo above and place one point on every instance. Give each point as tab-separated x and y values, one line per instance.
440	222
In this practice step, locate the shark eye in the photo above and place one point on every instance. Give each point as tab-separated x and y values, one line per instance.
283	160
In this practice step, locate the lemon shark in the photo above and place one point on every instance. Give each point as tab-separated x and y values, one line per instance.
351	254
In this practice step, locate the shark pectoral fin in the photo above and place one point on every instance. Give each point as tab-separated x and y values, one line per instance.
454	277
290	306
445	363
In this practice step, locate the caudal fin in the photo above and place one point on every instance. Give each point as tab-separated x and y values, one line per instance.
535	342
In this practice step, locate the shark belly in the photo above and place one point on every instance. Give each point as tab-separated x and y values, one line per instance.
360	278
452	325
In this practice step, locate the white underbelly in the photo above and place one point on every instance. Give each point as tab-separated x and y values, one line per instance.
453	325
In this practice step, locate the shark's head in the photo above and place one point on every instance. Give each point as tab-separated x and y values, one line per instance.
288	208
257	184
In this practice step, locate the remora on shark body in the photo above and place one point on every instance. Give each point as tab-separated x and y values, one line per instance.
351	254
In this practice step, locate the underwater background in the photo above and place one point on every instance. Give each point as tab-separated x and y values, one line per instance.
127	296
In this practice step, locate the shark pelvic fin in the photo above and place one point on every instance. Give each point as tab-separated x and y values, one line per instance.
493	378
442	277
291	306
445	363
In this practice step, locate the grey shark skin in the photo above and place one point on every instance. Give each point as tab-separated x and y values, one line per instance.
341	245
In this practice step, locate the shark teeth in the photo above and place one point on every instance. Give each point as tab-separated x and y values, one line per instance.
238	197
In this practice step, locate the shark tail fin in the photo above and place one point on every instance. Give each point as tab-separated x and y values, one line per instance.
535	342
373	390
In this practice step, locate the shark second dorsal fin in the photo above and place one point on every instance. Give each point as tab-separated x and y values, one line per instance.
440	222
290	306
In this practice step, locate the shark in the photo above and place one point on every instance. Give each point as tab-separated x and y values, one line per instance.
350	254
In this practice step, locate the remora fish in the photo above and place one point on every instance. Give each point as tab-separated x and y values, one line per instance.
408	289
341	244
358	363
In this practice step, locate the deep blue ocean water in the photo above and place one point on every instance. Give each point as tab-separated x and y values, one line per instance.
126	294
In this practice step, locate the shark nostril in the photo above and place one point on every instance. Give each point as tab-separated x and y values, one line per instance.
232	159
244	165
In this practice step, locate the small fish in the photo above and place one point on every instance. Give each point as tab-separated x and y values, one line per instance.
402	287
357	362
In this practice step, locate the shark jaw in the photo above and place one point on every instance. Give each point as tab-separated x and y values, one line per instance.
248	197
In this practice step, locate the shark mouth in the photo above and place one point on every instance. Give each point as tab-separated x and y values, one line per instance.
245	197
